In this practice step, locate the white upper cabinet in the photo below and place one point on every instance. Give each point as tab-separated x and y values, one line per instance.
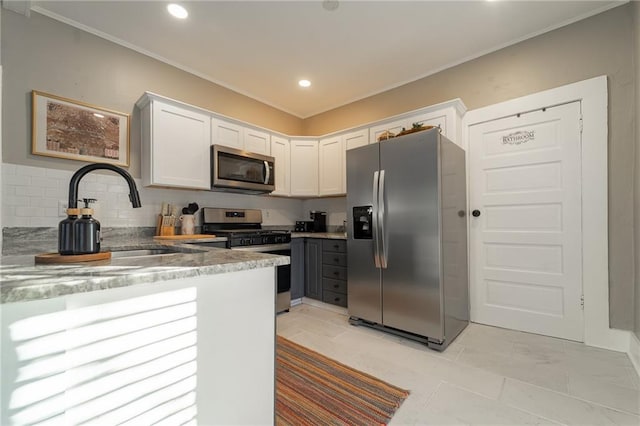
332	166
176	139
356	139
175	144
237	136
304	167
257	141
434	118
447	116
227	134
281	151
393	127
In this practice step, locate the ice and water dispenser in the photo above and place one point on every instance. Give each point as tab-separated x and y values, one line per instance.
362	222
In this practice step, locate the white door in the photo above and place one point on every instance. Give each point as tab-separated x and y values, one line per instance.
525	183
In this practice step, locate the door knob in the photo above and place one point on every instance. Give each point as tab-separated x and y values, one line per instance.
475	213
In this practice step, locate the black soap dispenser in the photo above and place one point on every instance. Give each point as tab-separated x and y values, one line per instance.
65	232
86	231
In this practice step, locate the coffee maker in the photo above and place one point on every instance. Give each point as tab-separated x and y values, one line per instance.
319	220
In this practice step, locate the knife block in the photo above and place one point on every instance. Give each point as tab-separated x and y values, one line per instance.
164	230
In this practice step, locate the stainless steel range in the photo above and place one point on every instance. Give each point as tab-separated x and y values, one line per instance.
243	229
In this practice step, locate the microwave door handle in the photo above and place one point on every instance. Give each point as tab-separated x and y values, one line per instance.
267	172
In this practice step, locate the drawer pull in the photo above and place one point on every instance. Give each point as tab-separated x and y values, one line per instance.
336	285
337	299
335	259
336	273
335	246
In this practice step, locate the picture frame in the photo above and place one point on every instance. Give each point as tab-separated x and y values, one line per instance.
74	130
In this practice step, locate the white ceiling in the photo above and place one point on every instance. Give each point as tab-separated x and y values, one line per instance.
262	48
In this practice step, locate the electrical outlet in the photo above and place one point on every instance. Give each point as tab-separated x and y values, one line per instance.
62	208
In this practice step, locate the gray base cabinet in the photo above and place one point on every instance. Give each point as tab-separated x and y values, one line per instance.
334	272
313	268
297	268
319	270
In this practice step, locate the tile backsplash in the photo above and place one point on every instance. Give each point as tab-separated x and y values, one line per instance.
31	197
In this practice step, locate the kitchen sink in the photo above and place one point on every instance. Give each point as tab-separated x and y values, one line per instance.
144	252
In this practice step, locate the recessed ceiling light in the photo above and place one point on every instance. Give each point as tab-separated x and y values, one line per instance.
177	11
304	83
98	115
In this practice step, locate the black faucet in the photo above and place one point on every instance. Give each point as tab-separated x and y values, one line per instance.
75	180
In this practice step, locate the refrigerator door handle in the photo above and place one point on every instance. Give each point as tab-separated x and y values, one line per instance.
374	218
382	219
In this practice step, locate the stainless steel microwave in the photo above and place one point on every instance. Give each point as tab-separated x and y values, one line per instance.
241	171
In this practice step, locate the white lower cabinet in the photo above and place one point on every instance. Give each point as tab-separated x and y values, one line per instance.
175	145
281	151
105	357
304	167
331	179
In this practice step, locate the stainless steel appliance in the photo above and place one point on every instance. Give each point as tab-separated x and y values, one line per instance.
243	229
407	237
319	220
303	226
235	170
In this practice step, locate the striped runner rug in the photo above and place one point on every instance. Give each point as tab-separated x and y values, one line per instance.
312	389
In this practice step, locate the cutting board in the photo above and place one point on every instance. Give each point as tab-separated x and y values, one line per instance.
51	258
185	237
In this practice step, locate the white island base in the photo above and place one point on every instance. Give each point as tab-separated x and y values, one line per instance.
187	351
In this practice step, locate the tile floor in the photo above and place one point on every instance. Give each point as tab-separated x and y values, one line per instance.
487	376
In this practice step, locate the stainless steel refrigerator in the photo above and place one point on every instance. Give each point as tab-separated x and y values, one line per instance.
407	237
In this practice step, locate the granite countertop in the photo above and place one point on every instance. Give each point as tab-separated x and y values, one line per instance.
326	235
22	280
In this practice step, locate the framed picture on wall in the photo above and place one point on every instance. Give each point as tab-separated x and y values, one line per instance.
65	128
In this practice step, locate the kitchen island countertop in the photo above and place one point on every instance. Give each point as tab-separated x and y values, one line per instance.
22	280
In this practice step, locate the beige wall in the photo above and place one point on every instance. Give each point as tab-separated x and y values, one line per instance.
39	53
601	45
42	54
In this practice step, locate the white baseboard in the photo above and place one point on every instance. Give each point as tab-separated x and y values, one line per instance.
634	351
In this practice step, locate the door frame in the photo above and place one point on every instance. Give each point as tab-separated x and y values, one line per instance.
592	95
